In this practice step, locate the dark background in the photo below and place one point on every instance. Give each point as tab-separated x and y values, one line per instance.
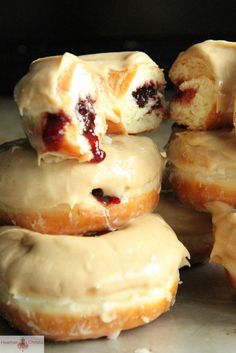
32	29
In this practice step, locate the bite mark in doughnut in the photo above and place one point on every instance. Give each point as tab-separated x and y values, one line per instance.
205	73
56	101
111	92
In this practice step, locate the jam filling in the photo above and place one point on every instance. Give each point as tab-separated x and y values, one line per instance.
185	96
105	199
87	114
143	94
54	130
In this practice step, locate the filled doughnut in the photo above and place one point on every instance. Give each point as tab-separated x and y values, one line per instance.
66	102
204	76
193	228
134	86
74	198
203	167
223	252
56	101
88	287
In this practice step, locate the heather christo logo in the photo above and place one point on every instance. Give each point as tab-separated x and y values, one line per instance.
22	345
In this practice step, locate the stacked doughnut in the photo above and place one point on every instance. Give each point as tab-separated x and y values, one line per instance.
70	178
204	76
202	162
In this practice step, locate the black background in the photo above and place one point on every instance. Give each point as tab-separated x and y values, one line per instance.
32	29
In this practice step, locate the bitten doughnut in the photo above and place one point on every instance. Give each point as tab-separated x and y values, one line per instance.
56	101
73	198
66	102
203	167
205	76
134	86
88	287
223	252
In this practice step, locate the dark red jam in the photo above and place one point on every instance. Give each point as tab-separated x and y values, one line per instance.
143	95
105	199
87	114
185	96
54	130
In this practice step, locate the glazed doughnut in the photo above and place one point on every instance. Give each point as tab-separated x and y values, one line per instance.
223	252
66	101
193	229
56	102
135	85
203	167
73	198
88	287
205	76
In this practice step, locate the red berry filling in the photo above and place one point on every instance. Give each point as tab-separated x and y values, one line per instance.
54	130
146	93
87	114
105	199
185	96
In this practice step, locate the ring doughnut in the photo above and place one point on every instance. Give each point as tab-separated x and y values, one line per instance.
204	76
56	103
203	167
88	287
66	102
74	198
